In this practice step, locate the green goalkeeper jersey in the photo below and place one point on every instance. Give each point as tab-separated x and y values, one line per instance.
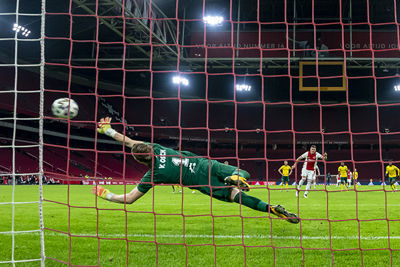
172	167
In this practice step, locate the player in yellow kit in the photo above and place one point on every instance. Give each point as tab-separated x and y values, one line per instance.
285	170
342	172
355	177
176	188
393	172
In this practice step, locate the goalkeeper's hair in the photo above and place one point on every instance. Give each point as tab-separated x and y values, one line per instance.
142	153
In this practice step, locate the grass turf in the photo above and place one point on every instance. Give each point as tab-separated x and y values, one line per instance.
188	229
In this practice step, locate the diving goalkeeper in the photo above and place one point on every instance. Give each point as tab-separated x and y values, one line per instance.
168	166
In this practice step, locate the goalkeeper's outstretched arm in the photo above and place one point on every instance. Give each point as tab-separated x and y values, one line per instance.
104	127
106	194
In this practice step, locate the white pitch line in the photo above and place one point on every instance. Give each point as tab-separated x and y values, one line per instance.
304	237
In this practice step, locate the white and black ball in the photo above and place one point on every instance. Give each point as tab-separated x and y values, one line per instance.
65	108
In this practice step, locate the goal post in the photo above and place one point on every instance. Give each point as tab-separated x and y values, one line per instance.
21	29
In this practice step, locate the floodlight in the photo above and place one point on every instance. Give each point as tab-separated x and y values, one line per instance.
18	28
243	87
397	88
213	20
180	80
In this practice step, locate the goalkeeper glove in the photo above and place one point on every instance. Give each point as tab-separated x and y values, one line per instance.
102	192
104	127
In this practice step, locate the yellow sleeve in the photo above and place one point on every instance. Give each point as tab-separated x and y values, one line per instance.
280	168
398	171
387	169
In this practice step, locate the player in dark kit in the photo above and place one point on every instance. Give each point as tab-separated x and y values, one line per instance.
168	166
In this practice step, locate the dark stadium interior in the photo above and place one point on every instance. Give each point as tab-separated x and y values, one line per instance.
108	65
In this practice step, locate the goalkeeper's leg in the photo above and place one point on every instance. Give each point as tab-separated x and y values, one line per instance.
257	204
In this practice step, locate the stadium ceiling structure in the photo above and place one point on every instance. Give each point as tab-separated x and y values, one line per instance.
104	37
166	32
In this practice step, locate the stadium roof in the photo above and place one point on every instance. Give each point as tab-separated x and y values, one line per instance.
110	53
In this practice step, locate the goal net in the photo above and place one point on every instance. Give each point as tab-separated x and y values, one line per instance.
251	84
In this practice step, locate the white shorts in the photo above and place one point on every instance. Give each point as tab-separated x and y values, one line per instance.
349	181
314	177
308	174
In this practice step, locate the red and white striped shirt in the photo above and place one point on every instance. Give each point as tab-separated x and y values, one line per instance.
310	160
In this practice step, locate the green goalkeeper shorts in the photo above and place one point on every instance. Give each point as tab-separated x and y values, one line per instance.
343	180
392	179
214	184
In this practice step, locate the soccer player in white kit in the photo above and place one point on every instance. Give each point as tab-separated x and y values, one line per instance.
310	161
337	180
349	177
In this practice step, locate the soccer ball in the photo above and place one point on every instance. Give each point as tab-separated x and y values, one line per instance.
60	108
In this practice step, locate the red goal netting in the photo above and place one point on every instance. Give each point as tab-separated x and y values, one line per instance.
254	84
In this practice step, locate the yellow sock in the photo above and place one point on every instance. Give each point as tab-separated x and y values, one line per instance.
341	186
287	185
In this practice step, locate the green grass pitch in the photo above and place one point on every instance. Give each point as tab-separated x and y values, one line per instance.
181	231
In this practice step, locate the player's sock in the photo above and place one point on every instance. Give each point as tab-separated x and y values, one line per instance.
341	186
251	202
257	204
287	185
307	188
300	183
